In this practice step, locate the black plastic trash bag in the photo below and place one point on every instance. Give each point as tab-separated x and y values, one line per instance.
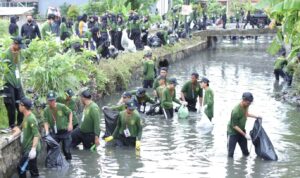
54	159
154	109
262	143
111	118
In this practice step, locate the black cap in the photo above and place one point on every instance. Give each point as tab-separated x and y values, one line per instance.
18	40
140	92
26	102
130	105
86	94
69	92
126	94
51	16
204	80
248	96
173	81
51	96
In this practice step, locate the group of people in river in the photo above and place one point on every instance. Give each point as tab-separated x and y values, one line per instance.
60	120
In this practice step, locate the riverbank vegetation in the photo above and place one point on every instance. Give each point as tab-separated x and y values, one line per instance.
287	14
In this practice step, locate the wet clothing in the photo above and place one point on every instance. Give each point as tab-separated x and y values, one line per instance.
233	140
46	28
12	88
191	93
59	116
278	67
209	101
149	73
238	118
31	167
71	105
131	122
159	90
30	31
87	139
141	101
91	119
29	131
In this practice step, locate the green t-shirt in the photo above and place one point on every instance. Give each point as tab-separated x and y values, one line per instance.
71	105
159	91
191	91
46	29
14	64
149	72
156	83
279	63
60	115
91	119
168	98
238	118
209	101
29	131
132	122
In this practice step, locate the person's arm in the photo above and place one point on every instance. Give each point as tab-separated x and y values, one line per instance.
16	131
251	115
46	123
234	123
116	131
96	118
149	99
68	112
22	31
183	90
201	97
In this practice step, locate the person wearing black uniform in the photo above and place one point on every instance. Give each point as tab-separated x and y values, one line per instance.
13	28
30	30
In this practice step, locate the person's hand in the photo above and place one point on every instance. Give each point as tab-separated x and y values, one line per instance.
108	139
247	136
258	117
184	103
97	142
70	127
104	107
32	153
137	145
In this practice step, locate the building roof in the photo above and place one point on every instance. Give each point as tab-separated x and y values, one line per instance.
8	11
25	1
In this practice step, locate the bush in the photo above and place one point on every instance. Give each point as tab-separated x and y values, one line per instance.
4	28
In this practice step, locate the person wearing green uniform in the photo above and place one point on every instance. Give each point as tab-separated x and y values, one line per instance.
145	29
141	99
208	102
279	65
129	129
89	131
191	91
163	72
65	29
46	27
149	70
69	101
236	126
290	69
168	97
126	96
30	139
13	90
58	123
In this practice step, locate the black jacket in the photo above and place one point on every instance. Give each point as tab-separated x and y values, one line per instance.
13	27
30	31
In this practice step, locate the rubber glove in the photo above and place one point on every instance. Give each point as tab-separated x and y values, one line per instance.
32	153
108	139
137	145
247	136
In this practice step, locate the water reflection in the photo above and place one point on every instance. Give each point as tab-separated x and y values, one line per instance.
177	148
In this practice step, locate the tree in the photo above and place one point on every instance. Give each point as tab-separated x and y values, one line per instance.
214	8
64	9
73	12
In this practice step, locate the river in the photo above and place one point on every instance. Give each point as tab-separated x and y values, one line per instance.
176	148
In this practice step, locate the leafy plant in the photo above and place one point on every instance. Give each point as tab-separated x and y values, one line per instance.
73	12
64	9
4	28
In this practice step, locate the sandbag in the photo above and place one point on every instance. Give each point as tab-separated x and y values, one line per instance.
111	118
54	158
183	112
262	143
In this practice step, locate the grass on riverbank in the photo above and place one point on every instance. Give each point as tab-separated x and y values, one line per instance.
3	115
